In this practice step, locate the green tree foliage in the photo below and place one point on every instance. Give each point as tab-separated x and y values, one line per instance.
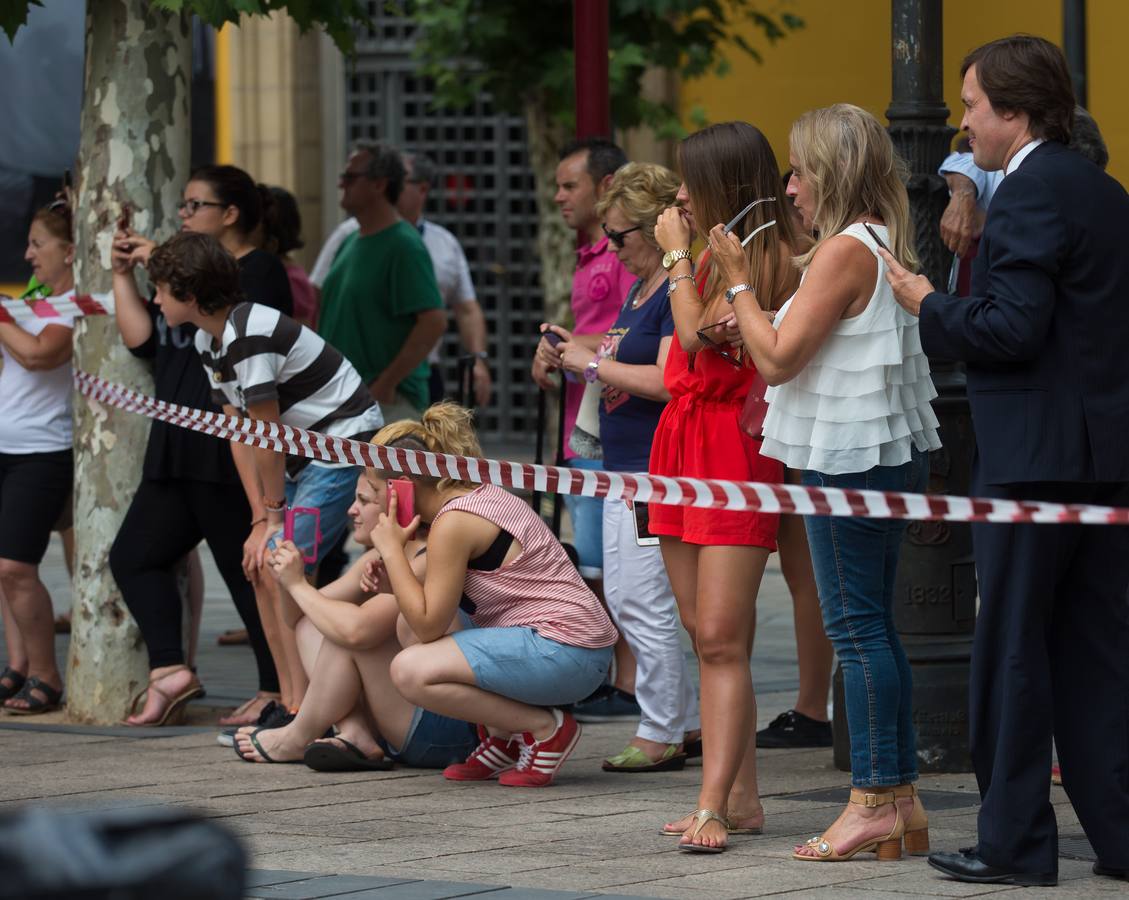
522	52
339	18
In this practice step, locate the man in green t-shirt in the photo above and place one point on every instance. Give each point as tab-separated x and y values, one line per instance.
380	304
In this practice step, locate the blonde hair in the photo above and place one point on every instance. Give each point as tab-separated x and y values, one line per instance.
444	428
848	159
727	166
641	191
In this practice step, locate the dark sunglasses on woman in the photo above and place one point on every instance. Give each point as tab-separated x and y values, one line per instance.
616	237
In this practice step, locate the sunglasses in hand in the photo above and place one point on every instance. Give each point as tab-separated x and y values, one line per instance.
719	344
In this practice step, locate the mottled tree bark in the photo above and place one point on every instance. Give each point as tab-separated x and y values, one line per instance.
135	149
556	242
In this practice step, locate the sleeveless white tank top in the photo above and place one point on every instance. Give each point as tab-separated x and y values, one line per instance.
863	399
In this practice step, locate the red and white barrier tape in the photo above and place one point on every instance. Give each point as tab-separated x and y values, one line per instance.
705	493
30	310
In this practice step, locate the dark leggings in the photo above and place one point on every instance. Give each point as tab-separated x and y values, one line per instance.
165	521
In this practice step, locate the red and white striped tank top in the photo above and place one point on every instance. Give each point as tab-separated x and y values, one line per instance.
540	588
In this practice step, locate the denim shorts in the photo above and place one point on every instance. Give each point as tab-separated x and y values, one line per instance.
518	663
329	489
587	517
434	741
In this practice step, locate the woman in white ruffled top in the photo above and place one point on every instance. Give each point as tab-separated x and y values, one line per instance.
849	405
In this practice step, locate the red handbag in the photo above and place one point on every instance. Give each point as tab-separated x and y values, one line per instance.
755	409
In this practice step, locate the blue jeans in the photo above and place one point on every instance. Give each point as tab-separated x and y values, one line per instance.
855	562
433	741
328	489
587	517
518	663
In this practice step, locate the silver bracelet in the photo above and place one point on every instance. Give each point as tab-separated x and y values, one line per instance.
677	278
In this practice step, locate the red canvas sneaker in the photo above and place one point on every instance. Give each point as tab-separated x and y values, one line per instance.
492	756
540	760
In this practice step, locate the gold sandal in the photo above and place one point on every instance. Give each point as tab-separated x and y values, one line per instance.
887	847
701	817
917	824
729	826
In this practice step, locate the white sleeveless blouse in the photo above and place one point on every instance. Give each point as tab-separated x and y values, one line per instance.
863	399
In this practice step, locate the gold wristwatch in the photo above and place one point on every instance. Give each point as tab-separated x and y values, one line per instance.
673	256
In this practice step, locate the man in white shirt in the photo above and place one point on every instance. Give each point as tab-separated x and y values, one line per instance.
453	274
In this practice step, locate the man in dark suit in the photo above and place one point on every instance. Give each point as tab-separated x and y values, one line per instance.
1045	336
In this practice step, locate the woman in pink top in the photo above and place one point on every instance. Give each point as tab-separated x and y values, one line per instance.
539	639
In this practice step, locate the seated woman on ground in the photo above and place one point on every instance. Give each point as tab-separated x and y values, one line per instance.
538	639
347	639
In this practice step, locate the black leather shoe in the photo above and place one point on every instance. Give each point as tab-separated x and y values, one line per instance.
970	867
1110	872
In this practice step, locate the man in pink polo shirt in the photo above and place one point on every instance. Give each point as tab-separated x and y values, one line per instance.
599	288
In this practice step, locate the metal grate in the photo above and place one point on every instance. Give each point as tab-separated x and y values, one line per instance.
485	196
1076	846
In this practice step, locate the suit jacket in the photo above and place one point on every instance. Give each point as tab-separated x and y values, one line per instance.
1045	333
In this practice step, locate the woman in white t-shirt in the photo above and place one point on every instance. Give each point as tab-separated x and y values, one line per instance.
36	467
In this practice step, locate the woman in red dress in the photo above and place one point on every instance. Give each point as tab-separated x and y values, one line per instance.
715	558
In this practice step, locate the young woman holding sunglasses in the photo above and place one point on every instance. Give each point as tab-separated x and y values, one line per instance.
715	559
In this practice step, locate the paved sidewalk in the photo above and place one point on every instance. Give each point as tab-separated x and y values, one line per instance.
428	838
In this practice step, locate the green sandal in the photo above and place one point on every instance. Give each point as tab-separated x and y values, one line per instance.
632	759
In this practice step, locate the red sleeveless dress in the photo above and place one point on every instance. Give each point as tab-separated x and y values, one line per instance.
698	436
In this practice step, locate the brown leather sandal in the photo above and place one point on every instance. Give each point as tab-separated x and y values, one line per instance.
177	706
917	822
887	847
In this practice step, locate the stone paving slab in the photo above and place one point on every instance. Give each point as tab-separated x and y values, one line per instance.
534	894
327	886
267	877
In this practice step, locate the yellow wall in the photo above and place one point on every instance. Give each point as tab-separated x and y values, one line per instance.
843	54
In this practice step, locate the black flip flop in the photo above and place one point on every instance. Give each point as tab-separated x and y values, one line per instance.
254	738
340	755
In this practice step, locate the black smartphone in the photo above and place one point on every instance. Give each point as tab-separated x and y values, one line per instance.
552	337
874	234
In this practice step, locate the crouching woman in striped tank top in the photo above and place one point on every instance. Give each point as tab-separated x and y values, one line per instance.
539	639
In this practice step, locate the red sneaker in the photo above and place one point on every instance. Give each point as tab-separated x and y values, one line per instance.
540	760
490	757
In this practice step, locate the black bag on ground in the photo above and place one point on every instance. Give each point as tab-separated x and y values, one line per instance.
125	854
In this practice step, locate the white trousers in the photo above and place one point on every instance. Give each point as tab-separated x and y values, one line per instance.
641	601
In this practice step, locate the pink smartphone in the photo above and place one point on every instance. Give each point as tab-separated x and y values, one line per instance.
288	529
405	500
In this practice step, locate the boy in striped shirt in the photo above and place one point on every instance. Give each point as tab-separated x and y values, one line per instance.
265	365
